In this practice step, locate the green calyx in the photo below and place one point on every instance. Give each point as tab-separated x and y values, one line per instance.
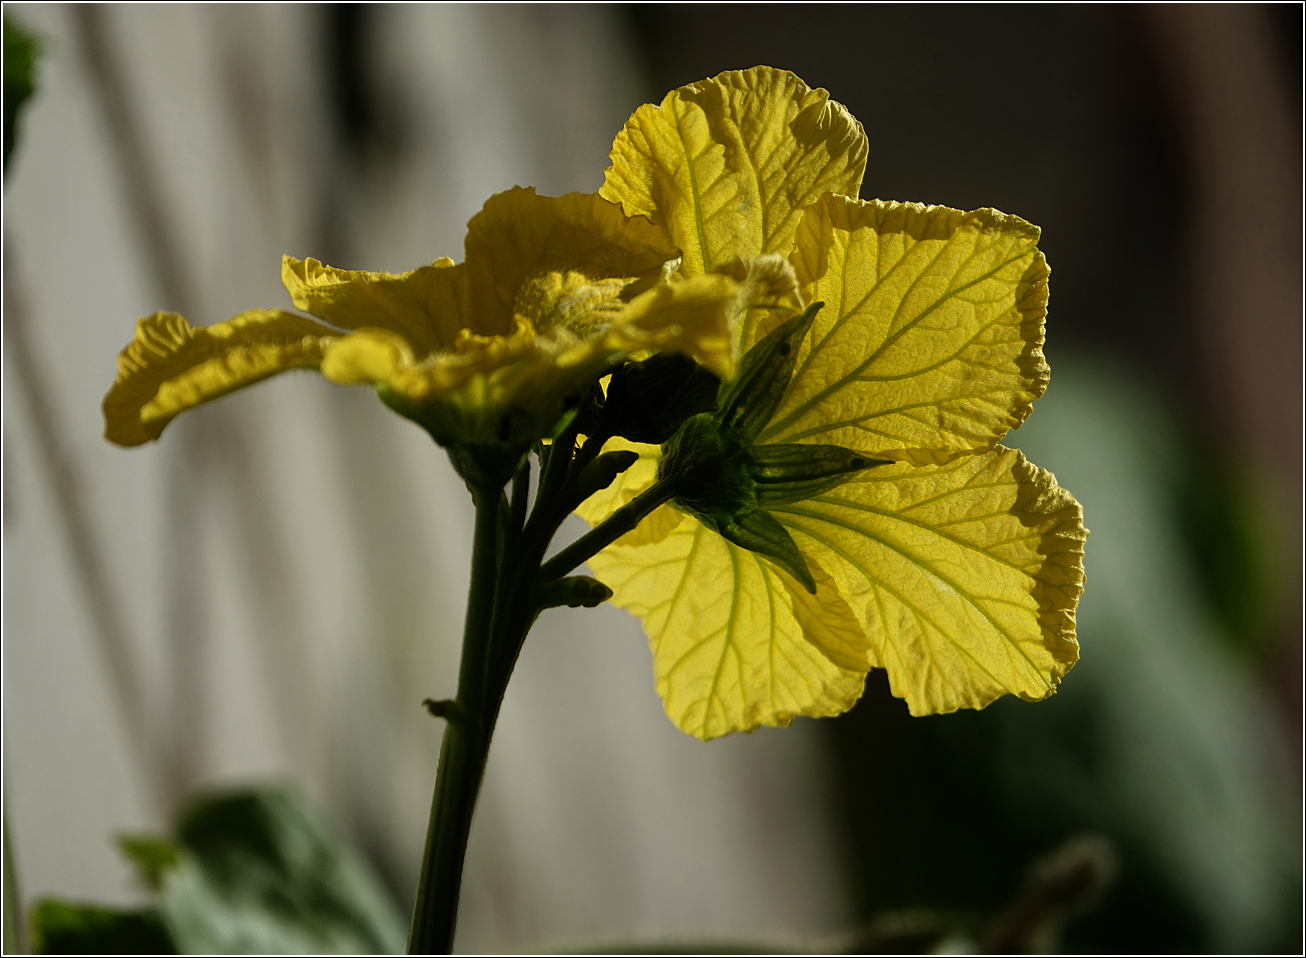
727	482
710	467
486	445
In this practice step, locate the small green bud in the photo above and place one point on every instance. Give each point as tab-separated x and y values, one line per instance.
603	471
647	401
574	591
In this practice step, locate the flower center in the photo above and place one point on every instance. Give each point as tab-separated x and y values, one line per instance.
570	303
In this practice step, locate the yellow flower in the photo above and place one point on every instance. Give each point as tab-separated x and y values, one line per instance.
553	291
954	564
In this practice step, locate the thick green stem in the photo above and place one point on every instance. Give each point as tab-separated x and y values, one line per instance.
501	607
463	754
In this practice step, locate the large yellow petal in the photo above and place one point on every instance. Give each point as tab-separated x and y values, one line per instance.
423	306
728	653
519	235
172	366
930	342
828	622
727	165
964	576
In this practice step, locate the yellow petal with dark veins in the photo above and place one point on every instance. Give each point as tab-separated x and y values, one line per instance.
965	576
726	166
930	342
729	652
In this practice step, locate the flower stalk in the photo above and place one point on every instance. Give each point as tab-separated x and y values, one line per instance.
506	594
464	751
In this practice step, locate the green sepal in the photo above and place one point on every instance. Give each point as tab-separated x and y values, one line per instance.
647	401
747	402
759	532
485	448
791	472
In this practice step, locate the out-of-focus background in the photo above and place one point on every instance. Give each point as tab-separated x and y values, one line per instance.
270	591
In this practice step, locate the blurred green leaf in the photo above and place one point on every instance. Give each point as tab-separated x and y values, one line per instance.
257	872
153	857
61	928
21	50
1230	524
250	872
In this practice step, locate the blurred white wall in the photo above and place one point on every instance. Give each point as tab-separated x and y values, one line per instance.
290	563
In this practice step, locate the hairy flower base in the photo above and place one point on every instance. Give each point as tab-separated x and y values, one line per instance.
512	389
